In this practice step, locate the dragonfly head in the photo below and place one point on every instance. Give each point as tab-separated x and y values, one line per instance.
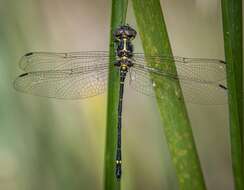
124	31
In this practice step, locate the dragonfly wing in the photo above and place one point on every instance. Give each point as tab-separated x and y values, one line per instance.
192	69
204	94
194	90
65	84
44	61
140	81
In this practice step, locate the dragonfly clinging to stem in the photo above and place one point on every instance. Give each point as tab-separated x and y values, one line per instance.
84	74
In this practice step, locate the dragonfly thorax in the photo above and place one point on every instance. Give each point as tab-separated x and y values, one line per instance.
123	37
124	48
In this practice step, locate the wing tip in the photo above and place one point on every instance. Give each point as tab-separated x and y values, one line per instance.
28	54
223	87
23	62
22	75
221	61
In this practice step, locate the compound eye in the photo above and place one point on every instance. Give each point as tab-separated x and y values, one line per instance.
131	33
117	35
127	33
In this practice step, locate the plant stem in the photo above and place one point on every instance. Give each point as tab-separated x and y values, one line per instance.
172	108
118	16
232	27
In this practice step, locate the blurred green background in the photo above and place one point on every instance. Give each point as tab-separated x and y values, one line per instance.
58	145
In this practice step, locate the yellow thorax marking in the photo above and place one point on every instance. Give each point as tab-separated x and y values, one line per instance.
125	42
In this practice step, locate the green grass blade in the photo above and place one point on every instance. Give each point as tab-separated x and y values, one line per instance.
176	124
118	16
232	27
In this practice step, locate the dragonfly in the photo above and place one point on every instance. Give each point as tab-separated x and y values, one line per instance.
79	75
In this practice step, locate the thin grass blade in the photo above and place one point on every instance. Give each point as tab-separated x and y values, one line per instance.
232	28
118	16
172	108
